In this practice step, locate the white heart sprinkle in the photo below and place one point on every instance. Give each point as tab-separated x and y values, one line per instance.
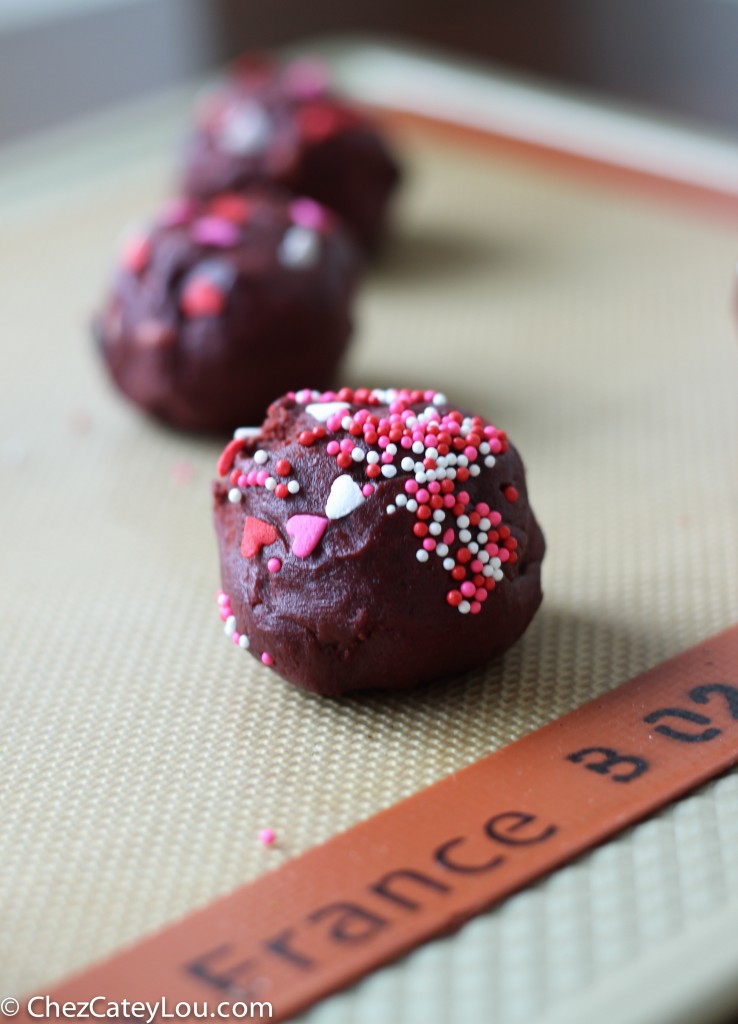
345	496
323	411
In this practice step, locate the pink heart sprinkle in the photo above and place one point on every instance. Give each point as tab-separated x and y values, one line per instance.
307	531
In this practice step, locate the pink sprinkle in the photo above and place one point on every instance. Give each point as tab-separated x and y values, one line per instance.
236	637
495	518
367	490
463	497
251	478
307	213
489	431
476	566
215	231
267	837
334	422
261	477
307	78
387	458
503	554
176	212
222	597
428	396
468	589
243	480
347	445
471	453
274	564
475	608
383	441
267	659
449	500
434	487
430	440
429	544
333	448
495	446
481	594
483	508
422	496
411	486
448	537
405	441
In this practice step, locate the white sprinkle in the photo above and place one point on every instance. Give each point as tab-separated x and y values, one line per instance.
372	458
498	575
489	461
407	464
474	470
358	454
411	421
442	550
391	510
430	413
485	524
234	495
496	563
346	422
439	399
484	448
473	547
448	564
419	467
484	556
439	515
488	570
391	449
464	536
412	505
431	453
441	474
464	607
244	129
420	477
461	460
243	642
293	487
450	474
389	471
422	555
243	432
230	625
345	496
462	522
434	529
430	474
299	248
401	500
418	447
323	411
482	538
260	457
270	483
451	459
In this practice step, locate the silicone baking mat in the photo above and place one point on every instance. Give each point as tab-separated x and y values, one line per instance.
142	753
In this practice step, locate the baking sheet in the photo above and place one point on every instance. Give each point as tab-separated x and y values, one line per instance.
141	752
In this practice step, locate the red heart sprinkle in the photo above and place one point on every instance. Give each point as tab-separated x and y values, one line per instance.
256	534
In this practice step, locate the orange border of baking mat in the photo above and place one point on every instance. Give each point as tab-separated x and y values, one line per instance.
426	865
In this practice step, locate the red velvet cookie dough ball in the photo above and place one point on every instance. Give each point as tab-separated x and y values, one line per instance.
374	539
266	125
218	306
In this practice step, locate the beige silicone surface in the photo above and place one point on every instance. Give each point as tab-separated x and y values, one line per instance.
142	752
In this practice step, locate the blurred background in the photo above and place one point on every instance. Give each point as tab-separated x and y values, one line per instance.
63	58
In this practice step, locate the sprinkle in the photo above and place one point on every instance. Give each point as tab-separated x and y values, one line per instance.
234	495
245	129
422	555
511	493
257	533
358	454
345	496
299	248
136	253
389	471
260	457
267	836
243	642
308	214
307	531
322	411
283	467
267	659
367	490
372	458
391	510
242	433
230	625
201	298
293	487
274	564
216	232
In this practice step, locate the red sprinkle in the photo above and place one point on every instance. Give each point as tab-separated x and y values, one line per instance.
283	467
511	493
227	456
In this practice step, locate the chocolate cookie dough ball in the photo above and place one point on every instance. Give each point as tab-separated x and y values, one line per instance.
285	127
374	539
219	306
